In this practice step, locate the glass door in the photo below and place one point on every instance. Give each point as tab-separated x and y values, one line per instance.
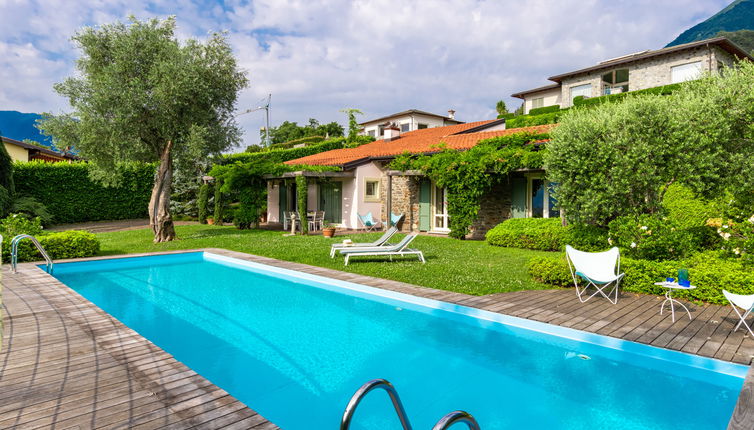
440	209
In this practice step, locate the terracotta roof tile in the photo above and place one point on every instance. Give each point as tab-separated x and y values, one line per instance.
415	142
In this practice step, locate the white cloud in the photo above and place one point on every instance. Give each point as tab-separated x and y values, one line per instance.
382	56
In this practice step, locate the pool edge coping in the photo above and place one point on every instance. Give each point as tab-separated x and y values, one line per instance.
742	417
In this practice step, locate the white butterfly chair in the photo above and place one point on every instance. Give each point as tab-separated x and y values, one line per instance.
744	302
599	269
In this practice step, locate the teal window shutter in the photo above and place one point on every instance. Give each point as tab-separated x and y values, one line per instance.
518	197
425	205
282	201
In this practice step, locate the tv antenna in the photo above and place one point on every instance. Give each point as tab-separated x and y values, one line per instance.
264	105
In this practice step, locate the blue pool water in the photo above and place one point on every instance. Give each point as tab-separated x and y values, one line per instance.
295	347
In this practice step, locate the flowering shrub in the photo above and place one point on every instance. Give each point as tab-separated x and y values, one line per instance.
737	238
15	224
652	237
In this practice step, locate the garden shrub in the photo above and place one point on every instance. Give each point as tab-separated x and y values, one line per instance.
59	245
506	116
532	120
546	234
70	195
652	237
594	101
546	109
707	271
684	209
300	141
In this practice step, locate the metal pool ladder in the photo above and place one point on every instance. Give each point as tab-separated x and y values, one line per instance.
14	251
444	423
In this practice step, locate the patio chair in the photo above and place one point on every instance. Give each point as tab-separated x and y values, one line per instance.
744	302
379	242
395	219
400	248
317	221
599	269
368	222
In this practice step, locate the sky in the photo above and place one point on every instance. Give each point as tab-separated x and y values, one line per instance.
317	57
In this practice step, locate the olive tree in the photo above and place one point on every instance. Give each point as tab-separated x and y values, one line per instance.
141	95
620	158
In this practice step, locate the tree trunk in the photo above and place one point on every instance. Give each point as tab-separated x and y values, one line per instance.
159	204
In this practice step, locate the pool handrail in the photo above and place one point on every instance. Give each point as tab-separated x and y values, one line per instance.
456	417
14	251
345	422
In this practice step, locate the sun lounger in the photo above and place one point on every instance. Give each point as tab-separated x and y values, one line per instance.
399	249
379	242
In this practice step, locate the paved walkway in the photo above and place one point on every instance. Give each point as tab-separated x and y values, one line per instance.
67	364
108	226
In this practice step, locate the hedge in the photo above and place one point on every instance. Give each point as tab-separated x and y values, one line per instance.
546	234
71	196
707	271
543	110
282	155
59	245
532	120
593	101
300	141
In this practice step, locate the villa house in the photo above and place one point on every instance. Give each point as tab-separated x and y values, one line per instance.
366	184
22	151
639	71
409	120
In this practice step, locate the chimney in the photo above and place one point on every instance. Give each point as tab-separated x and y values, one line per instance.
391	131
451	114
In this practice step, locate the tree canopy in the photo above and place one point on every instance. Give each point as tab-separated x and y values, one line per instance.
288	131
619	159
142	95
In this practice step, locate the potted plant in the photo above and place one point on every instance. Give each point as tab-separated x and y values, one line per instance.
210	220
329	230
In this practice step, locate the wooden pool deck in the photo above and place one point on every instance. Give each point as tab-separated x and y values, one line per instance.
67	364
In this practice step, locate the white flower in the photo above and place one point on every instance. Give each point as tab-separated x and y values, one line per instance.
751	220
726	236
610	240
736	251
725	225
644	227
633	244
719	231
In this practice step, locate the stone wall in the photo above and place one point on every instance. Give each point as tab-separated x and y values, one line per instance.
405	200
494	209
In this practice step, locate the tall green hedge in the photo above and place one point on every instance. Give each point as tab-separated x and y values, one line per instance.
70	195
593	101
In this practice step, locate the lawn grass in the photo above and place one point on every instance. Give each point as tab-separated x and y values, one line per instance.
470	267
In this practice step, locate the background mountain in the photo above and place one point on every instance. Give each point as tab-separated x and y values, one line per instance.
20	126
735	22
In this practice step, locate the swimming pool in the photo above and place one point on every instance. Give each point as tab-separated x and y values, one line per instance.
294	347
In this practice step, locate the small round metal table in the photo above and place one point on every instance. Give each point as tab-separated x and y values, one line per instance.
669	298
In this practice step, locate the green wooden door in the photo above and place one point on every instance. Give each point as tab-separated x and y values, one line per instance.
330	200
518	197
425	205
282	201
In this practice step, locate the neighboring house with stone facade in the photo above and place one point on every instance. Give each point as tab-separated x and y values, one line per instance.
366	184
639	71
409	120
